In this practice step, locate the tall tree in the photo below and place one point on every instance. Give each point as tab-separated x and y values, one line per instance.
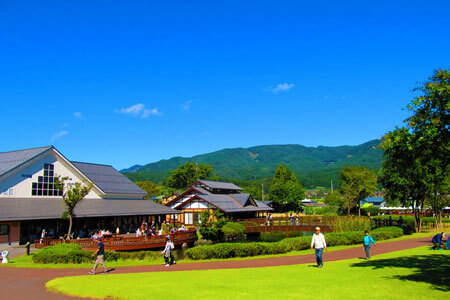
402	175
416	161
188	173
285	189
430	121
73	194
356	183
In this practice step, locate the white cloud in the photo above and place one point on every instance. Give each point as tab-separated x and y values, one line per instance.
139	110
77	114
282	87
150	112
59	134
187	104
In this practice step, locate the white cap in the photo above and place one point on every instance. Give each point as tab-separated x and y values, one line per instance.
317	228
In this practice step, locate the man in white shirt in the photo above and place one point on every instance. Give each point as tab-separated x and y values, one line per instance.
318	242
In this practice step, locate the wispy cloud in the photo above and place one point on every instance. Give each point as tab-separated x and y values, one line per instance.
282	87
150	112
139	110
78	115
59	134
187	105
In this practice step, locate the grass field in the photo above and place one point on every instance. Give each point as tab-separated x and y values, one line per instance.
415	274
26	261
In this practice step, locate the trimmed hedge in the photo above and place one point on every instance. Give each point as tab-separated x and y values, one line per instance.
62	253
409	220
74	254
229	250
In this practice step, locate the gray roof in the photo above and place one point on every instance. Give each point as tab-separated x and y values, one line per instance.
263	203
13	159
228	203
220	185
15	209
108	179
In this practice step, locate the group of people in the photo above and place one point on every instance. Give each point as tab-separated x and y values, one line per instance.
292	217
146	230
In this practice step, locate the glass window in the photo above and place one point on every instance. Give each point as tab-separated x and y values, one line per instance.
44	185
4	229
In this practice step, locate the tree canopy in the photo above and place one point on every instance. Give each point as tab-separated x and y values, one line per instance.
73	194
188	173
416	161
152	189
285	189
356	183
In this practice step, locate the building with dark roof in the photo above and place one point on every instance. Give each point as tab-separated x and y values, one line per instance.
30	201
209	195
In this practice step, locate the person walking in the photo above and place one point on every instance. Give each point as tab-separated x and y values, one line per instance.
438	241
368	241
168	252
318	242
100	255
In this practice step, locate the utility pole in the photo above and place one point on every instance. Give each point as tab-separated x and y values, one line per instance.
262	191
331	186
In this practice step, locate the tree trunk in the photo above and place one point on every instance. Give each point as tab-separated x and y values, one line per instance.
70	226
348	210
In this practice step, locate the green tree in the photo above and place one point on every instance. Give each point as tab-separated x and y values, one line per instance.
211	225
285	189
152	189
402	176
334	199
416	161
188	173
356	183
73	194
429	122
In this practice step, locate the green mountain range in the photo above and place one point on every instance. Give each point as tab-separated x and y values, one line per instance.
314	166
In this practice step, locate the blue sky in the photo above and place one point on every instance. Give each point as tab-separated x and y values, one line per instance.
132	82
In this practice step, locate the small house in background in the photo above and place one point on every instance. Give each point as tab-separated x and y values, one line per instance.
376	201
210	195
310	203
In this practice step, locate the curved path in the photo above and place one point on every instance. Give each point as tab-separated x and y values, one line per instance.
16	283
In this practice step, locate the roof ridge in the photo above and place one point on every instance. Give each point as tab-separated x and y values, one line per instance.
51	146
94	164
235	201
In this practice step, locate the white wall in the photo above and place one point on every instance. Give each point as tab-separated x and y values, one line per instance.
21	185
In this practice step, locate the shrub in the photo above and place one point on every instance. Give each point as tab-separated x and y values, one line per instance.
233	231
277	236
73	253
62	253
228	250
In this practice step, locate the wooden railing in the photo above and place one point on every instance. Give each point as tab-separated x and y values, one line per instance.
125	243
286	224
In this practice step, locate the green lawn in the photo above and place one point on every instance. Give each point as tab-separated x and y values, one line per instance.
26	262
415	273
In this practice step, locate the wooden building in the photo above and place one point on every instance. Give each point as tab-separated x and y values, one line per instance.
209	195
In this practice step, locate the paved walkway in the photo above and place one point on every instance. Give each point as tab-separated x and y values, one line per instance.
22	284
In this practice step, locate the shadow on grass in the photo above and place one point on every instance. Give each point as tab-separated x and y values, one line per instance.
432	269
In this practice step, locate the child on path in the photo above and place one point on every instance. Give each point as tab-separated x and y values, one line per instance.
368	242
100	255
318	242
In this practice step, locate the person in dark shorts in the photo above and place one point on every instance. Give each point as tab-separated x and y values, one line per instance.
368	242
100	252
